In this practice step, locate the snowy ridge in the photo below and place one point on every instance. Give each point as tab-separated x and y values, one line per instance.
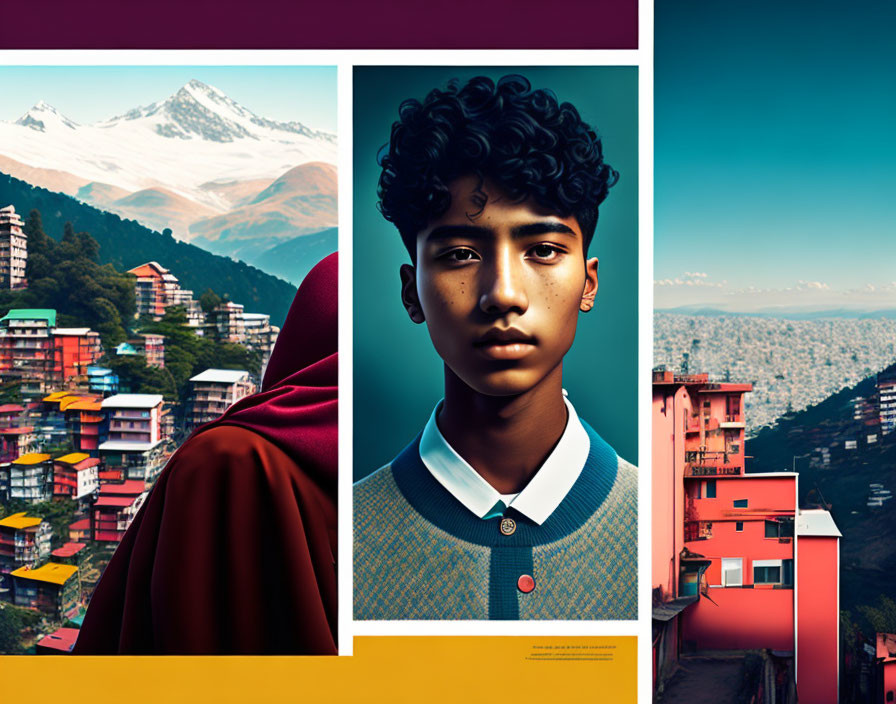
196	136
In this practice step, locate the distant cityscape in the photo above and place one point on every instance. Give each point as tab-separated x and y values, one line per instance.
80	449
792	364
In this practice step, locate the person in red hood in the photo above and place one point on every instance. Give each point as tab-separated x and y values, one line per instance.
234	551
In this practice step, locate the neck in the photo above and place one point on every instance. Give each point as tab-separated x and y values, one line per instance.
504	438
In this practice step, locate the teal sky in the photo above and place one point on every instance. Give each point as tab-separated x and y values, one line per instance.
89	94
774	153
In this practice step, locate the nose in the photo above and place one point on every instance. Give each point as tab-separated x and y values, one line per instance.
504	287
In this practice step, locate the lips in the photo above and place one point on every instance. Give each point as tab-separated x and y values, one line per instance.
505	344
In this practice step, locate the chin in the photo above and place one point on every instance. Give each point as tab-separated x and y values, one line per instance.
509	382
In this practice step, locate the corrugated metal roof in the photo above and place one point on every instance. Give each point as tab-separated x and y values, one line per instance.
85	406
224	376
32	458
124	446
670	609
73	457
69	549
119	501
62	639
52	572
17	431
47	314
816	522
56	395
132	401
129	486
20	521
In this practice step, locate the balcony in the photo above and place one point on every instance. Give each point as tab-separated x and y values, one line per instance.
710	464
733	421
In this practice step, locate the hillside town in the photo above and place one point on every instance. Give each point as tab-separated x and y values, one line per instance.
79	449
792	364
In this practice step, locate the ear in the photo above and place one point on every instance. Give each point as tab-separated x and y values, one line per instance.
409	293
590	285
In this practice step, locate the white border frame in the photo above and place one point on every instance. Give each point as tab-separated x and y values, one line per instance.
344	60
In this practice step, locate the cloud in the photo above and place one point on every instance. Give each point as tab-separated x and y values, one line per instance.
807	285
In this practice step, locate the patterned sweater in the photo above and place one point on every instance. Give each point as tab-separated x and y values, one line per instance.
420	554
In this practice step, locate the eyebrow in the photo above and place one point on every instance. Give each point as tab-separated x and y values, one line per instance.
545	227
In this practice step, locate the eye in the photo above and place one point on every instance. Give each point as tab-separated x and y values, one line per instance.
459	255
545	252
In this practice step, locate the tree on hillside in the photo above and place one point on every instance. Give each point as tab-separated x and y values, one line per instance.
209	300
67	277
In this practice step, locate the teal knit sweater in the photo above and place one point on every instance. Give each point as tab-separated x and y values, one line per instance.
420	554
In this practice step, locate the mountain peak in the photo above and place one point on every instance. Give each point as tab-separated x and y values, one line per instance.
40	114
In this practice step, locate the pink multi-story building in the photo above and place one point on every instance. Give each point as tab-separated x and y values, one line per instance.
136	445
24	542
736	564
16	438
115	508
75	475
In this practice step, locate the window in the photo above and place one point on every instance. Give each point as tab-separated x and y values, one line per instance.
787	573
766	571
710	489
740	503
738	526
732	571
779	528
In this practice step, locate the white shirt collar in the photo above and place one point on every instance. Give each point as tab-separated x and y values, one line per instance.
540	497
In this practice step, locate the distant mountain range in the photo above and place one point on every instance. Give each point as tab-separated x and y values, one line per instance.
786	314
197	162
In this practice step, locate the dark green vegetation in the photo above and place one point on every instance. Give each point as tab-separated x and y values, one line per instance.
186	354
67	277
868	546
15	625
126	244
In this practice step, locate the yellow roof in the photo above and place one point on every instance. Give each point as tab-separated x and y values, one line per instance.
83	405
56	395
52	572
31	458
73	457
19	521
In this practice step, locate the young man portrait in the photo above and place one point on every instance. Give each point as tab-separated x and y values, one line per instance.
508	504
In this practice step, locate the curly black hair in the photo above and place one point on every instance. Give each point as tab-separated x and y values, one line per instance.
523	140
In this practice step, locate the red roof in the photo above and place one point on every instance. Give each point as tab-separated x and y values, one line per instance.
134	487
17	431
83	524
61	639
11	408
69	549
120	501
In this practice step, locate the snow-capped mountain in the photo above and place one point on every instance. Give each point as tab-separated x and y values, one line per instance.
182	147
201	111
197	162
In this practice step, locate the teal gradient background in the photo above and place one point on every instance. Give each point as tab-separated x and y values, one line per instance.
398	377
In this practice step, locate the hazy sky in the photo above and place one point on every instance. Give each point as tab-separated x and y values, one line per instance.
89	94
775	153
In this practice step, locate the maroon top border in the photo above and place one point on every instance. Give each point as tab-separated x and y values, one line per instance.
325	24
